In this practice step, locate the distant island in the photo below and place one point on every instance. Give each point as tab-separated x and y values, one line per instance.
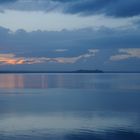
88	71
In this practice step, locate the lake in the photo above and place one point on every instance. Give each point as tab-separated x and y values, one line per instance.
70	106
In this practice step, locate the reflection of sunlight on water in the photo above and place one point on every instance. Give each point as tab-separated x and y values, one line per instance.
81	81
11	81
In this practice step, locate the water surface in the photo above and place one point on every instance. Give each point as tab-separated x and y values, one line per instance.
70	106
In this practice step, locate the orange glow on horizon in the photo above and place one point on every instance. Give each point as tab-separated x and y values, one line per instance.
10	59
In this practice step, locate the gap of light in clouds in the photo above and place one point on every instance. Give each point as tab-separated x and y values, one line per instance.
53	21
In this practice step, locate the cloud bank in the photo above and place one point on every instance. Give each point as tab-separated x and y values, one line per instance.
87	48
12	59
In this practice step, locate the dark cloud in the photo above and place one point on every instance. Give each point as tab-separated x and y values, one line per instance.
76	42
115	8
7	1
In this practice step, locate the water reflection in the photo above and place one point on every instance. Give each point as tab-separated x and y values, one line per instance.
94	121
11	81
84	81
71	125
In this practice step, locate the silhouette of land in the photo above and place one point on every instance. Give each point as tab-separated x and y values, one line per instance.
76	71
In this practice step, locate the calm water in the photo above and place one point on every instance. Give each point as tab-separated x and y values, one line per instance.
70	107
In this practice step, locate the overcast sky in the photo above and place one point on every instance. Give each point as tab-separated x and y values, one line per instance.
70	34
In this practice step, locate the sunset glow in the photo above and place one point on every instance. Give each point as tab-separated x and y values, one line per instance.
10	59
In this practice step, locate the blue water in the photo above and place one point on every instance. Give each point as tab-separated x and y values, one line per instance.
69	106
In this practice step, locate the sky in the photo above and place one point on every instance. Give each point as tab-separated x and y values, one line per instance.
70	35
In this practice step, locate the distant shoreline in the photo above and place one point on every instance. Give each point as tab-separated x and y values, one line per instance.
77	71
